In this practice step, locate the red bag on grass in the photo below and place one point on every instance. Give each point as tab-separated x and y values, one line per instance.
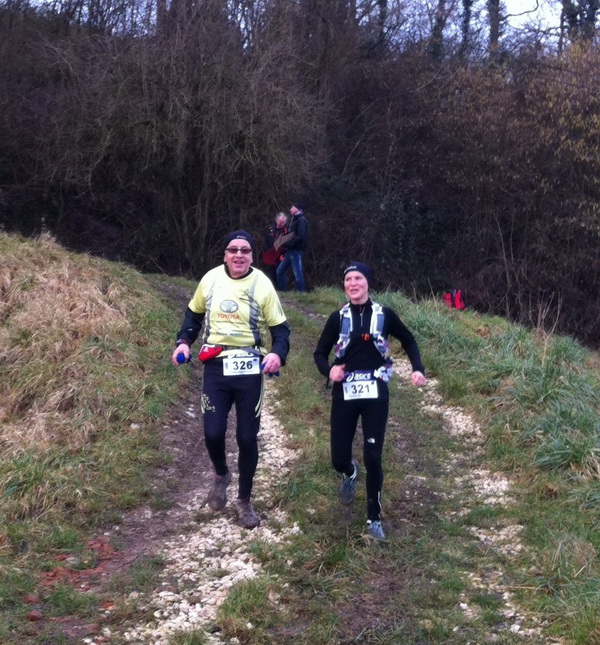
454	299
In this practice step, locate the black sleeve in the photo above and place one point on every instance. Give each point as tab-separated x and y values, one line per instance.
301	231
398	330
328	339
191	326
280	340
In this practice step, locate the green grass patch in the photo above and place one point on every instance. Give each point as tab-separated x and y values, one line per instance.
197	637
141	576
85	379
63	600
514	383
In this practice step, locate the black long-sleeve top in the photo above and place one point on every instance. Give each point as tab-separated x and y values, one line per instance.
361	353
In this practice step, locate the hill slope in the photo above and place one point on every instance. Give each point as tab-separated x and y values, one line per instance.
490	495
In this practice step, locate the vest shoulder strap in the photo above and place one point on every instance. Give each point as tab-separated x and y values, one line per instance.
375	329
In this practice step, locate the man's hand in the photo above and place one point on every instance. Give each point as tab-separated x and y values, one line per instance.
271	363
337	373
180	349
418	379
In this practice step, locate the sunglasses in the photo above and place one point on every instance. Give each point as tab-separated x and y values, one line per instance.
244	250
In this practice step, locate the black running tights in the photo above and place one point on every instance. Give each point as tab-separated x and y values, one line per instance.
218	395
344	419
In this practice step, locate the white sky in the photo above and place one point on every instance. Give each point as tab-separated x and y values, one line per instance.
549	11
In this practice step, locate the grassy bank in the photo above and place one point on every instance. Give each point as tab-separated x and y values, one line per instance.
536	400
84	376
85	380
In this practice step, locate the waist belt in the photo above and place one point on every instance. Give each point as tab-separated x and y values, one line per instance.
382	373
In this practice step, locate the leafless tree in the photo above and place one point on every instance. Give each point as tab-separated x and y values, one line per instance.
495	21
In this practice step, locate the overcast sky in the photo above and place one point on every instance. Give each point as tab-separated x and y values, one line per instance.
548	9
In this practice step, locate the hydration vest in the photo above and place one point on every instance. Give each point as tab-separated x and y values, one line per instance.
376	333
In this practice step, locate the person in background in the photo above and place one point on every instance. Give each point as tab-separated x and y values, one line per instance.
360	373
237	306
274	246
294	250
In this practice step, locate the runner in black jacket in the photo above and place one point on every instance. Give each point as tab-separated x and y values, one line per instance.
359	374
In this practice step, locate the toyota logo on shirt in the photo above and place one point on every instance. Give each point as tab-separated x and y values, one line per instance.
228	306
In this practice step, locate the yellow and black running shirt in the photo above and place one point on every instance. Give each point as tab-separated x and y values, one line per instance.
237	312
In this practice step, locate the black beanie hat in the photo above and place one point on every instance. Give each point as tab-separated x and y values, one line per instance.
239	235
361	268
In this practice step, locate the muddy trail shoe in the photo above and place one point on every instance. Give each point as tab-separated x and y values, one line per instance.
217	496
347	488
375	529
246	514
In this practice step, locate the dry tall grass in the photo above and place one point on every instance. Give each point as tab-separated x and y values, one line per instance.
63	318
84	372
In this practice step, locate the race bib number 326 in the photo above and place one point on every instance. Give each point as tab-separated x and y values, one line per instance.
240	366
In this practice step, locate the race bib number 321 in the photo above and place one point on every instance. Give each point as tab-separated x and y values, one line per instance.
360	390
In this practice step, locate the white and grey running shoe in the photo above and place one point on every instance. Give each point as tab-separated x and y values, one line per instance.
375	529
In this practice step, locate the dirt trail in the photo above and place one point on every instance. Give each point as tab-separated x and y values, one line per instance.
184	531
191	538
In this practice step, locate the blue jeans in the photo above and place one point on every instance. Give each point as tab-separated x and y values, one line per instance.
293	258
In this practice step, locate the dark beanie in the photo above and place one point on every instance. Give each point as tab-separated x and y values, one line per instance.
239	235
361	268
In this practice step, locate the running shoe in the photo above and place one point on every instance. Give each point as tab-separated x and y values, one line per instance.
246	514
217	496
347	488
375	529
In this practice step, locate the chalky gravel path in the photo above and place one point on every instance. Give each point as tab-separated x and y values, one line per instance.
206	553
211	553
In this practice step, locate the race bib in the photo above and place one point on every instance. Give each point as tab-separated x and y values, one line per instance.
241	365
360	385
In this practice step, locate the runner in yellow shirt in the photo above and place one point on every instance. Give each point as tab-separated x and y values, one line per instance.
237	308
